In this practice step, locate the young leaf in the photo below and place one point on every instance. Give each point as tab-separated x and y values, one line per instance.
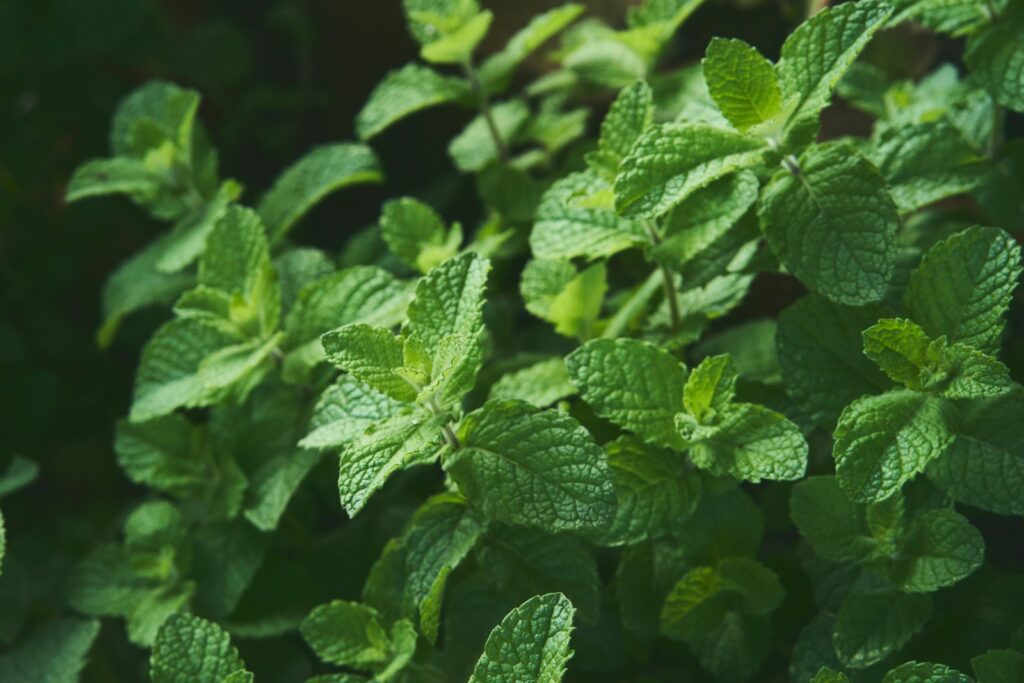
119	175
629	116
817	54
571	300
347	634
671	161
530	467
449	300
742	83
190	648
530	645
903	351
634	384
372	355
403	92
963	287
474	148
457	46
882	442
833	223
417	235
310	179
497	69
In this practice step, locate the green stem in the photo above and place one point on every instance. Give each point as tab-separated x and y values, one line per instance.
449	433
671	295
484	103
625	315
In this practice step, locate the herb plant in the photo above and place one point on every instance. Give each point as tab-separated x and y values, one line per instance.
548	441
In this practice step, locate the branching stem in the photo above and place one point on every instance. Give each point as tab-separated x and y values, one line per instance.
668	280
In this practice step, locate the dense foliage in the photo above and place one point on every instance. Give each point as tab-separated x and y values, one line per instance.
635	479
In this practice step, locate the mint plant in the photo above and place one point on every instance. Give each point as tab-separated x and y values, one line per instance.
549	441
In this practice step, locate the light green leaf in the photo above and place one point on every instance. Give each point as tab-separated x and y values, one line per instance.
187	240
449	300
999	666
347	634
530	467
940	549
831	523
955	17
994	57
474	147
567	225
411	437
654	492
169	371
742	83
457	46
925	672
310	179
629	116
749	442
833	224
983	466
881	442
571	300
826	675
636	385
432	19
403	92
453	370
820	351
877	621
498	68
606	60
530	645
817	54
963	287
21	472
53	652
710	388
416	234
671	161
189	649
540	384
118	175
151	115
344	411
372	355
904	352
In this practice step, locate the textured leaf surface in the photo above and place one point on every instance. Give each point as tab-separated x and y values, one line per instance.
537	468
925	672
189	649
346	634
495	71
671	161
634	384
629	116
831	523
963	287
940	549
540	384
416	234
371	355
870	625
310	179
403	92
344	411
474	147
884	441
995	56
53	652
742	83
833	224
530	645
449	300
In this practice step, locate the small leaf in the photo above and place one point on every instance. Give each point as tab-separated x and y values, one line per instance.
742	83
403	92
189	649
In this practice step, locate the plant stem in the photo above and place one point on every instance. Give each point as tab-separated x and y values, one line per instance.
449	433
668	281
484	103
633	306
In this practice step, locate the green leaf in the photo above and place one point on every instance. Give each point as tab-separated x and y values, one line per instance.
831	523
187	240
749	442
571	300
629	116
826	675
875	622
347	634
955	17
568	226
701	600
903	351
416	234
636	385
833	223
540	384
940	549
21	472
671	161
360	294
817	54
457	46
925	672
449	300
155	113
189	649
372	355
432	19
654	492
998	666
320	172
409	438
530	467
710	388
474	147
498	68
964	285
883	441
994	56
403	92
742	83
530	645
927	162
119	175
606	60
983	466
53	652
344	411
820	350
